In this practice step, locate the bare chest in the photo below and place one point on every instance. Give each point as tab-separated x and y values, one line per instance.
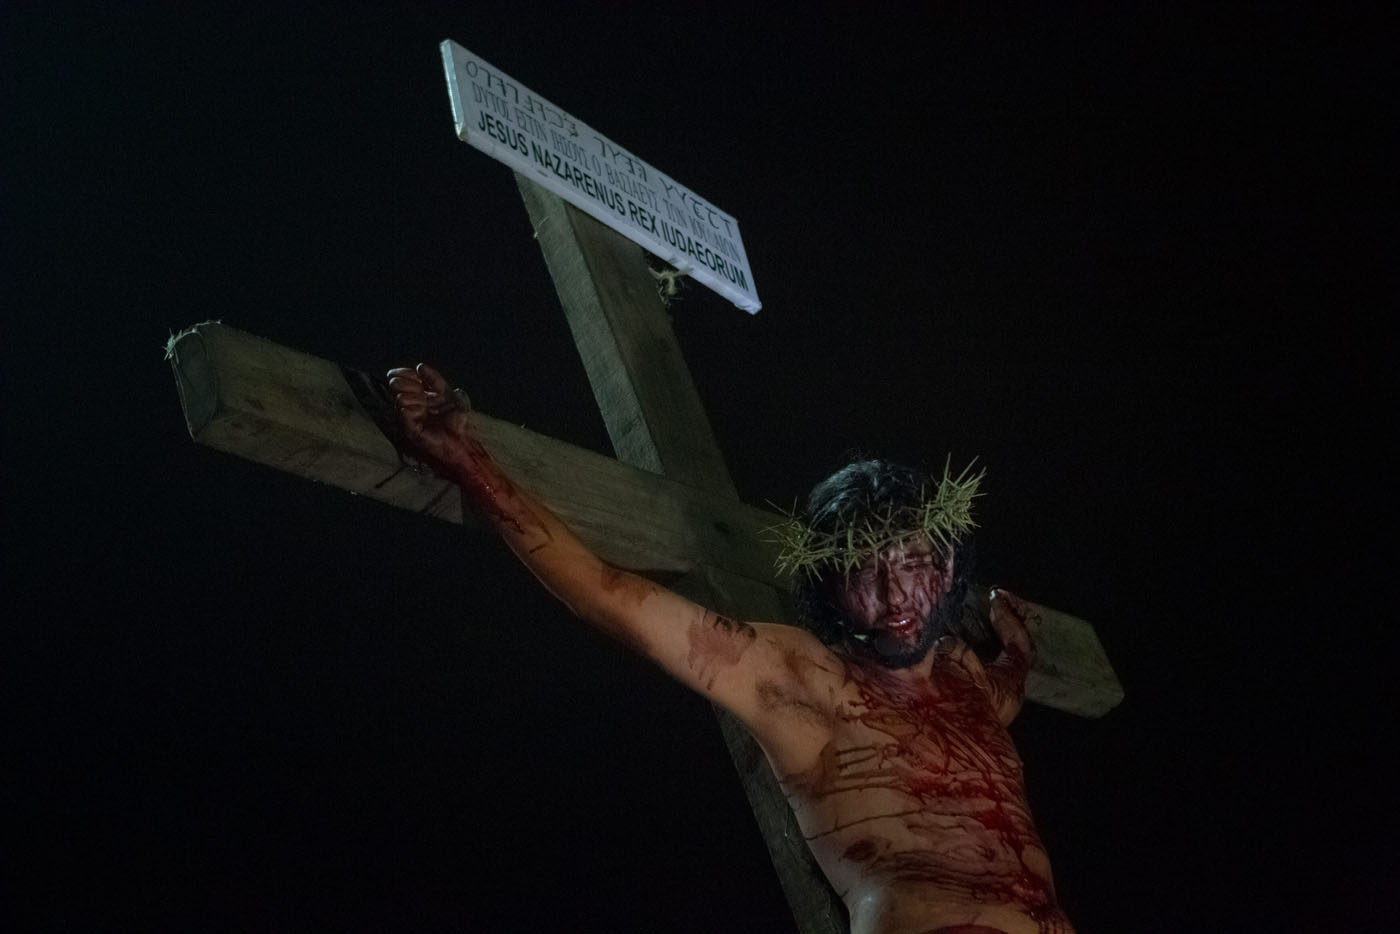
931	742
925	770
921	786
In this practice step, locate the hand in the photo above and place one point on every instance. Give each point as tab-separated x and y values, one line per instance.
1014	620
434	419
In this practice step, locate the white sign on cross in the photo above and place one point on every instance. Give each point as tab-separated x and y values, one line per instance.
506	120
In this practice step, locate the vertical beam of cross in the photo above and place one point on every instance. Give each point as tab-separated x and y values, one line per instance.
653	415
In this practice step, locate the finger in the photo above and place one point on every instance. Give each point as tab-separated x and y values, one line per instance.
996	613
1013	619
947	646
432	379
411	407
996	601
1004	600
441	404
1007	613
402	372
404	386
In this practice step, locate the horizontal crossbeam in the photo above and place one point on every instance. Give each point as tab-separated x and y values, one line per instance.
248	396
305	415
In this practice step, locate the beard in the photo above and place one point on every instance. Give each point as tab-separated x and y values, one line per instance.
891	652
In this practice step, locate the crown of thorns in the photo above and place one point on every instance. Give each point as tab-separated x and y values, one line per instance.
945	517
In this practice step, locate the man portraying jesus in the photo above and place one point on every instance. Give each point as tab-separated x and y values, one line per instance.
886	732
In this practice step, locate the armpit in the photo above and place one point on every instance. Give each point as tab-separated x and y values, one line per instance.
716	643
777	698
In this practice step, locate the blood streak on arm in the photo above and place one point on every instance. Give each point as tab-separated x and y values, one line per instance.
716	643
1007	677
618	596
491	492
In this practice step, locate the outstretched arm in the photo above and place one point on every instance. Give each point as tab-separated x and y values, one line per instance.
724	659
1010	617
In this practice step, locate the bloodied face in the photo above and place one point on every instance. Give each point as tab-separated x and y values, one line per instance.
891	602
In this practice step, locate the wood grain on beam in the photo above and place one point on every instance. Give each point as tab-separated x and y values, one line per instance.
299	413
639	376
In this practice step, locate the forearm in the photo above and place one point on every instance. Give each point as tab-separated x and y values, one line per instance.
523	522
544	543
437	425
1007	673
701	649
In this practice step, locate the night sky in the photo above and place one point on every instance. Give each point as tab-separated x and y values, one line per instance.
1119	254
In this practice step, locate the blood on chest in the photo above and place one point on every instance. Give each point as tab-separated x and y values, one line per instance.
939	739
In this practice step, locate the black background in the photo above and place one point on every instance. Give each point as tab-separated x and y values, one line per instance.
1118	253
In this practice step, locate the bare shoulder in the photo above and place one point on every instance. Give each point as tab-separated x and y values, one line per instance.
797	661
954	649
796	686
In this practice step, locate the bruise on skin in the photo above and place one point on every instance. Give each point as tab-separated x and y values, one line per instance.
861	851
716	643
629	589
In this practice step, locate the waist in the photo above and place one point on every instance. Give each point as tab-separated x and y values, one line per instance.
890	906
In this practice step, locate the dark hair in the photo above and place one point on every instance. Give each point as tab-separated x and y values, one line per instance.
851	496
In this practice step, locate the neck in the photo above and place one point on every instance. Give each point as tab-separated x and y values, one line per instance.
921	672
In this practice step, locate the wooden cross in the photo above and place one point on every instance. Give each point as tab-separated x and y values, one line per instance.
666	507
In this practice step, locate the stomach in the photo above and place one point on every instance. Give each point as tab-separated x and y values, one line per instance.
923	868
922	907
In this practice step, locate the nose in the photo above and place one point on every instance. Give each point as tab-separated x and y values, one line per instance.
891	590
